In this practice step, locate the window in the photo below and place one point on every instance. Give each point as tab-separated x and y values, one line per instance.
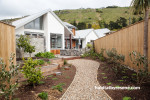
56	41
35	24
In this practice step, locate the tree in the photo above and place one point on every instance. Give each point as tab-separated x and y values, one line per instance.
140	18
122	22
81	25
23	44
143	6
133	20
74	23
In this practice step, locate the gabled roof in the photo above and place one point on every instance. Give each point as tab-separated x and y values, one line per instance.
69	25
101	32
83	33
30	18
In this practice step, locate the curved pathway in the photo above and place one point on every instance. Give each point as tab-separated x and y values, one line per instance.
85	80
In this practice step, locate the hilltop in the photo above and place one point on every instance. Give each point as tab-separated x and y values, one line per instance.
94	18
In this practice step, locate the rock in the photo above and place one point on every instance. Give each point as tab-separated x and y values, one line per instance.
66	68
58	73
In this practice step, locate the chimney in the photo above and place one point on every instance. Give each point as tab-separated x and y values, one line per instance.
74	31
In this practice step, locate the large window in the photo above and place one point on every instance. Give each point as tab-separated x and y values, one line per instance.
56	41
35	24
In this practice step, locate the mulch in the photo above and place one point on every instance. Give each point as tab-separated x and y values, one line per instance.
28	92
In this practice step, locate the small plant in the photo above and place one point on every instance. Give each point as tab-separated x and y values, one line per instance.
120	80
59	87
142	75
45	55
67	77
89	46
48	62
116	59
104	77
65	62
102	73
43	95
7	86
33	74
41	82
55	78
125	77
50	76
126	98
108	83
23	44
40	62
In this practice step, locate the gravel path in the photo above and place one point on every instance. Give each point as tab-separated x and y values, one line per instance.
85	80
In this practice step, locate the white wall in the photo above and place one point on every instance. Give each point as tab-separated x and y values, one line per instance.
89	37
51	25
54	26
20	31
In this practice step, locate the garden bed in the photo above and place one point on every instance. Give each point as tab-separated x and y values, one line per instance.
107	77
27	92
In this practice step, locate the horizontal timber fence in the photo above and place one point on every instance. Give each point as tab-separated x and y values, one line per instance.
7	42
125	41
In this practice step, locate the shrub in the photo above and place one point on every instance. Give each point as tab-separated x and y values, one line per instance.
45	55
7	86
40	62
39	54
89	46
142	75
23	43
91	54
116	59
48	62
101	55
34	75
59	87
43	95
65	62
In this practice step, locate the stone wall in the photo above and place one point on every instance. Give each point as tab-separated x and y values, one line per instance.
38	42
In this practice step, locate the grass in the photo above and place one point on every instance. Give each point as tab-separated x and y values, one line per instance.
102	73
92	17
50	76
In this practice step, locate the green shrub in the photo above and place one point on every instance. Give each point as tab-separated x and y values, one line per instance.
116	59
48	62
40	62
43	95
34	75
39	54
59	87
7	86
45	55
142	74
65	62
89	46
23	43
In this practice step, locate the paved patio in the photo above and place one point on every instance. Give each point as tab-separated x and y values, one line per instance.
85	80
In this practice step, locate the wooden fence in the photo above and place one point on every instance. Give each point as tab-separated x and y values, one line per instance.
7	42
125	41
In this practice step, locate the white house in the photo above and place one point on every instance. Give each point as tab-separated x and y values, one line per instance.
46	24
84	36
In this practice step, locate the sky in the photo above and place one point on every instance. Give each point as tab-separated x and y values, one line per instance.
19	8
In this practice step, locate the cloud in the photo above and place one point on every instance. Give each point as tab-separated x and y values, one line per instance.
15	8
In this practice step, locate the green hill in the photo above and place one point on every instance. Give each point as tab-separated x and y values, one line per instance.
93	16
